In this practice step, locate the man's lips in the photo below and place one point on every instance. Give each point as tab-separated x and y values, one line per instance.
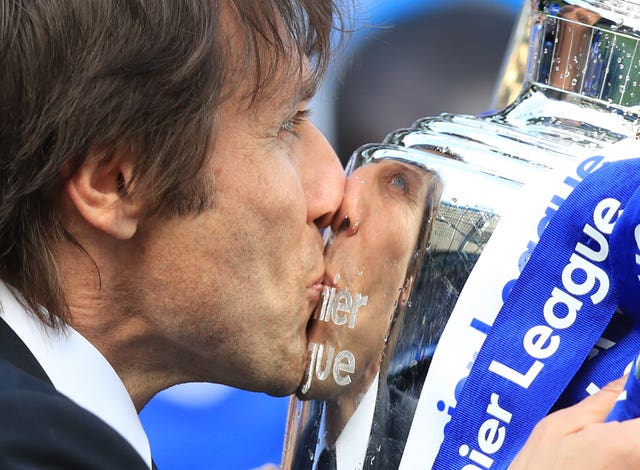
318	287
318	284
327	279
315	292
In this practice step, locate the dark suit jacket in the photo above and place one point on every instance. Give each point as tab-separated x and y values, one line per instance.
391	424
305	447
42	429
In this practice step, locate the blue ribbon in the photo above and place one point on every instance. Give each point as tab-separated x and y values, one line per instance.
556	312
606	365
625	264
629	406
625	257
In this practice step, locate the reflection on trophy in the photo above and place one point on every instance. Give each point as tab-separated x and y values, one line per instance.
419	210
379	238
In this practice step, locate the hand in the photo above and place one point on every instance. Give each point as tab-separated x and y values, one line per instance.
578	437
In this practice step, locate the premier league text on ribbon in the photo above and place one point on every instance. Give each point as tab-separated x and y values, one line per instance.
562	307
584	169
553	316
569	183
560	311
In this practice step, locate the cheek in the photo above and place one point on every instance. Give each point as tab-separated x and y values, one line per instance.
399	238
274	193
387	245
263	209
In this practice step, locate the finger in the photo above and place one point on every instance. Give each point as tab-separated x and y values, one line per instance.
593	409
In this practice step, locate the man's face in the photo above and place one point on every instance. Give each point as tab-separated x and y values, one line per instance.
375	235
228	293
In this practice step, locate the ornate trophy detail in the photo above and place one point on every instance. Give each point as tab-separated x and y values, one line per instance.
418	212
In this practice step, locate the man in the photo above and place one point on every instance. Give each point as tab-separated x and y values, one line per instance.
162	195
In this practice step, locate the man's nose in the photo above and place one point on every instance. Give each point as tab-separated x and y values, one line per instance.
324	180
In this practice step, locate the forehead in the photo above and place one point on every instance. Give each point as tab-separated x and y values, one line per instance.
265	68
291	84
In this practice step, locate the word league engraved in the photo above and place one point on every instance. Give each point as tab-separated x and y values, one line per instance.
341	308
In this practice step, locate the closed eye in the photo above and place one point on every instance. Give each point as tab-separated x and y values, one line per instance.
291	124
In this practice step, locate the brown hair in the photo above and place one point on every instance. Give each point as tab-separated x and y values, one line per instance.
143	76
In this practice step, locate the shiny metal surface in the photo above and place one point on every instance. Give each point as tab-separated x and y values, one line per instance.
580	94
589	49
405	244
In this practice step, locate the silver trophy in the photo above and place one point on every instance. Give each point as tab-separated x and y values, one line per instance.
418	212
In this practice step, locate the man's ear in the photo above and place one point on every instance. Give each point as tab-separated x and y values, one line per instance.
99	190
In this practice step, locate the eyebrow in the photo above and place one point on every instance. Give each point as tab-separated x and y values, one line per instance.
307	88
304	88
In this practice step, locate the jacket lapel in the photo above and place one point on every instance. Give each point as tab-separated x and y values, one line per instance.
13	350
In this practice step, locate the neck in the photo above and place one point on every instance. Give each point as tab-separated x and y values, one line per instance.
104	310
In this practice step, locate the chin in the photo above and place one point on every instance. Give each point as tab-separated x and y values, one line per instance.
282	389
284	381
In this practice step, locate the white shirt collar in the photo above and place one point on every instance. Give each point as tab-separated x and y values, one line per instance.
79	371
351	445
